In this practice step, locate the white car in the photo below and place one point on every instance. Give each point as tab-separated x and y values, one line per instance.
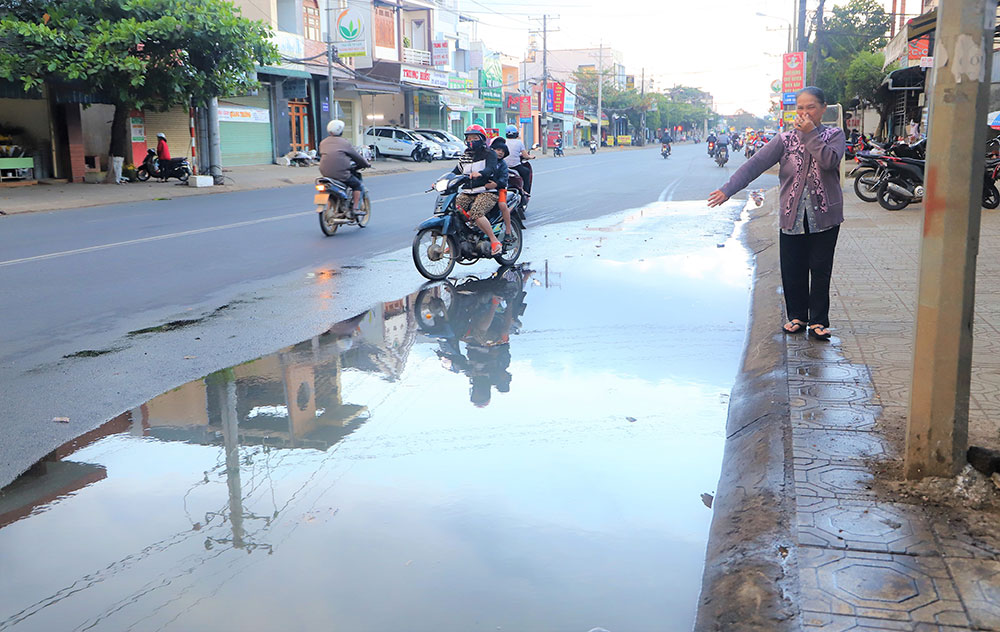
452	146
397	141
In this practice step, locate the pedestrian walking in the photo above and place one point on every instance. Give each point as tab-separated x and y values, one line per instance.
811	209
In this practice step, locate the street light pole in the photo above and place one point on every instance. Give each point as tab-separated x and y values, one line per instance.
332	113
937	430
600	92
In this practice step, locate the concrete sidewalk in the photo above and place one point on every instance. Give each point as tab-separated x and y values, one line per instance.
63	196
839	541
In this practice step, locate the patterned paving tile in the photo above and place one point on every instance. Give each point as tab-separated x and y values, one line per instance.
831	479
861	418
957	538
832	394
806	372
838	445
865	526
813	621
879	586
978	583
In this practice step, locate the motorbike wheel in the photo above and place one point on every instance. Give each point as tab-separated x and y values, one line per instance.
434	254
508	256
366	206
889	200
326	223
866	185
415	155
431	308
991	197
141	174
184	174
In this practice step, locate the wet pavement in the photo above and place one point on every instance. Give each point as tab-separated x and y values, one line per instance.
535	450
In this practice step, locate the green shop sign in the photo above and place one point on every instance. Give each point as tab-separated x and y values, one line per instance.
491	82
459	84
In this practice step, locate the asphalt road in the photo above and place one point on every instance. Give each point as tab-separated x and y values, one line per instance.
251	270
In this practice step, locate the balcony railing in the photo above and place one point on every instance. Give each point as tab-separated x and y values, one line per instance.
416	56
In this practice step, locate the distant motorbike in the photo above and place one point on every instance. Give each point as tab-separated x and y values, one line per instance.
665	150
593	146
711	148
334	202
163	169
449	237
557	151
722	156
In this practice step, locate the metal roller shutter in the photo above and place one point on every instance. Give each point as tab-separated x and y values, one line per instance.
176	124
247	143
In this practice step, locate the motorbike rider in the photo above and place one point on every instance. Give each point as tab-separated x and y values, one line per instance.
479	162
519	156
666	139
162	149
711	142
723	141
337	154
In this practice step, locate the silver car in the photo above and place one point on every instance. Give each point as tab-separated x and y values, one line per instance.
452	146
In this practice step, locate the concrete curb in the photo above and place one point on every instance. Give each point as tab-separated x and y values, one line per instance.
751	577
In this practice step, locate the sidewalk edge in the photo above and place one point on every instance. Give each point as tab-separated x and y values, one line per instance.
750	574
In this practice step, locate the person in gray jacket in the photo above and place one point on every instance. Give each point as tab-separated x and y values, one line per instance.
336	158
811	209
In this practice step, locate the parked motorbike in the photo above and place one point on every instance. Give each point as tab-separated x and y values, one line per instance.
449	237
421	153
163	169
334	202
869	173
991	196
593	146
722	156
902	184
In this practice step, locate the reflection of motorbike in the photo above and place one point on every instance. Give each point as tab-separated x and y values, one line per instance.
482	314
450	237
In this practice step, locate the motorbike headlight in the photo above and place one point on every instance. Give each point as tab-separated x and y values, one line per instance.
441	186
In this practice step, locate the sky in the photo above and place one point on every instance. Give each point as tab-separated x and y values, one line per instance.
721	46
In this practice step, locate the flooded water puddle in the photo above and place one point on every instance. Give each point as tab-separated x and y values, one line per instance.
527	451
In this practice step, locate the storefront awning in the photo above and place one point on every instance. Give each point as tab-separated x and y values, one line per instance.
459	101
367	87
905	79
283	72
922	24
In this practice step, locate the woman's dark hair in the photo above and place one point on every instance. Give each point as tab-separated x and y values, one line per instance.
814	92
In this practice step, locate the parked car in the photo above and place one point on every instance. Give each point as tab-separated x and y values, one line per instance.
437	151
452	146
396	141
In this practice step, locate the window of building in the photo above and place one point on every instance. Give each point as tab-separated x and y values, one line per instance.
311	24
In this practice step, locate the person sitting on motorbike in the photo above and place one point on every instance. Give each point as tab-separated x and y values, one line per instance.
337	154
479	162
518	157
723	141
666	139
162	150
500	181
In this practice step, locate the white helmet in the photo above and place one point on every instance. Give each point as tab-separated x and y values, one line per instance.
335	127
162	135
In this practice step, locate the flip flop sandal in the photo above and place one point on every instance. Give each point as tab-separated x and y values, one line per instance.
816	336
496	248
796	323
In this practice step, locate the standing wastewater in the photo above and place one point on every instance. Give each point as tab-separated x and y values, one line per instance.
532	450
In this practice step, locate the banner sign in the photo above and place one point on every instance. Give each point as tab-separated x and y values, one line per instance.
441	53
548	100
243	115
569	102
422	76
352	33
459	84
558	98
793	72
512	102
491	82
623	140
919	48
788	117
138	128
788	98
525	109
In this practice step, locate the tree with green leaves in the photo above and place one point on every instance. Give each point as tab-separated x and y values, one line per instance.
134	53
860	26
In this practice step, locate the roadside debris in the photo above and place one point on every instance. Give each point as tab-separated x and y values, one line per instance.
708	499
61	420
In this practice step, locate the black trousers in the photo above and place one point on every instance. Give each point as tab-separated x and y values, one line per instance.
524	169
806	268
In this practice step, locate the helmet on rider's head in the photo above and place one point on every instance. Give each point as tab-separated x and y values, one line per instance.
475	144
162	135
335	127
476	129
512	131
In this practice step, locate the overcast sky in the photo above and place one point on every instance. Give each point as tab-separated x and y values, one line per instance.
718	45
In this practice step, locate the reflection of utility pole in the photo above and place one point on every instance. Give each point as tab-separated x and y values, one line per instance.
937	432
225	391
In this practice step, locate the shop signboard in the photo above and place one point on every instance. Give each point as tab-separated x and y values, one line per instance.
919	48
423	76
793	72
352	33
558	98
624	139
788	98
548	100
511	101
459	84
569	102
138	127
490	82
243	115
788	117
525	109
441	53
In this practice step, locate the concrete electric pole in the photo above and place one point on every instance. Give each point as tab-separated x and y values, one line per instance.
600	92
329	63
545	84
937	431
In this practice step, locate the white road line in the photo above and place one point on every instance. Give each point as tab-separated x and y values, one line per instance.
667	194
198	231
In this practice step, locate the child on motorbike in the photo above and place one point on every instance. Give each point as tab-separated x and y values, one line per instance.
500	180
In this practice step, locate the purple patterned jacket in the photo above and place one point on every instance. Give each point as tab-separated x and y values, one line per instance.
812	157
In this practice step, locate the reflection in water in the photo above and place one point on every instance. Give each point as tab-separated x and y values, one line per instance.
346	482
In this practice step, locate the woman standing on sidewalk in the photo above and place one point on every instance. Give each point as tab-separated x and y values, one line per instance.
811	209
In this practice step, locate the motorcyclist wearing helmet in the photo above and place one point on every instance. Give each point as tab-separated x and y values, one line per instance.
337	156
666	139
162	149
518	156
479	162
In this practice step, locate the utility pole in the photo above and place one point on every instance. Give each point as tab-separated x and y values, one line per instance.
600	93
937	430
545	83
642	122
803	38
817	56
329	62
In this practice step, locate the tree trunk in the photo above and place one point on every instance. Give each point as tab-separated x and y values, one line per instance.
121	140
